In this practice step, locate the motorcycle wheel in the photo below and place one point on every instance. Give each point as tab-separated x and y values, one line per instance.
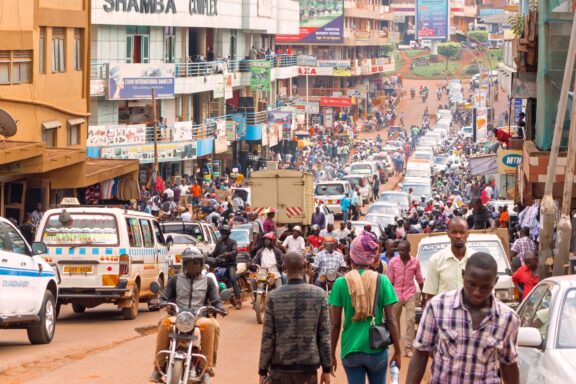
260	307
177	372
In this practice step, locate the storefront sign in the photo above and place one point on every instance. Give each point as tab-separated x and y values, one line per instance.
335	102
334	63
104	135
341	72
183	131
354	92
97	87
221	142
219	87
481	125
306	61
145	153
195	7
260	75
328	117
320	23
509	160
315	71
311	107
231	130
228	90
136	81
432	19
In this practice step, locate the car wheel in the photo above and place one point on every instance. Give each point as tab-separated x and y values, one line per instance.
131	312
43	331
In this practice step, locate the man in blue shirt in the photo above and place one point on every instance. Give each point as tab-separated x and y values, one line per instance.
389	252
345	205
319	218
355	202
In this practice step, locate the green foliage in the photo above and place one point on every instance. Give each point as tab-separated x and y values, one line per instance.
478	36
436	70
449	50
516	24
472	69
415	52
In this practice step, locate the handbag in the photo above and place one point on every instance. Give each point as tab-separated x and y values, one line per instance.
379	335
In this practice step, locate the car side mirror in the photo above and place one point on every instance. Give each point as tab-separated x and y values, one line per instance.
39	248
529	337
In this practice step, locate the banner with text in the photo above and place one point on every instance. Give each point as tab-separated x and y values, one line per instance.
136	81
145	153
432	20
260	75
321	22
104	135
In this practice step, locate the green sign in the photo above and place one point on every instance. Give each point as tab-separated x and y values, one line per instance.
260	75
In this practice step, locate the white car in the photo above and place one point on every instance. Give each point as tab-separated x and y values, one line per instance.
358	227
331	193
383	208
465	132
396	197
180	242
439	163
382	220
547	336
28	287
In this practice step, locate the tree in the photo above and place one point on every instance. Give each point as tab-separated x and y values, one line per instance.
478	36
448	50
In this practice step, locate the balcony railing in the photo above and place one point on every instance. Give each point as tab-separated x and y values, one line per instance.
370	11
375	37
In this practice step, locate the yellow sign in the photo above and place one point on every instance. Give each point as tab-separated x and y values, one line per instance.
509	160
342	72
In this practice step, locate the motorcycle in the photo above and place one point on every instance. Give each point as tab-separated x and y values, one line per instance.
185	361
222	276
424	96
328	279
263	281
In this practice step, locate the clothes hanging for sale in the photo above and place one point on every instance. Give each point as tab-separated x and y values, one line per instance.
92	194
115	187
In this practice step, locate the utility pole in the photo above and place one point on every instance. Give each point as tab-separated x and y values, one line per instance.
547	210
155	132
307	101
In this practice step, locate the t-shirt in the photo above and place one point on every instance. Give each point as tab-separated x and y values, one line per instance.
355	334
345	204
294	244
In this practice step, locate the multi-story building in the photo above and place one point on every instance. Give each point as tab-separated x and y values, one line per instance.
206	60
44	86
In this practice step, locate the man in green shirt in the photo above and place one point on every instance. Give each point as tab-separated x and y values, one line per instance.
355	294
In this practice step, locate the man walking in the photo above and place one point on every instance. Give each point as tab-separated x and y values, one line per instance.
526	277
319	218
473	334
523	245
345	205
296	333
402	271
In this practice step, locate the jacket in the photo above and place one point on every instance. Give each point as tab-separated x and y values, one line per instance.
226	246
191	294
296	332
277	252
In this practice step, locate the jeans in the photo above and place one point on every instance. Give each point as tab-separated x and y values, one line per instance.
358	365
344	216
234	282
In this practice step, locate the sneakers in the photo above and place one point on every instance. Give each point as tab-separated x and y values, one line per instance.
155	377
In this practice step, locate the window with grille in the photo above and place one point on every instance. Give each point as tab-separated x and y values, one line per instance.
58	50
78	49
42	51
15	67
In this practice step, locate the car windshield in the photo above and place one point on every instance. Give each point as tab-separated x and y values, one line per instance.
467	129
440	160
425	252
566	334
417	173
355	181
394	198
329	189
82	229
363	169
179	239
384	210
383	221
240	236
421	155
418	189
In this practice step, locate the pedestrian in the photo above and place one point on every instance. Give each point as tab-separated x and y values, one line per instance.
376	187
385	257
318	218
523	245
296	332
345	206
402	272
472	334
355	294
342	233
37	215
526	277
445	267
481	217
269	225
27	228
329	231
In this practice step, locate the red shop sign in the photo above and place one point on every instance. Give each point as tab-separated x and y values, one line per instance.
335	102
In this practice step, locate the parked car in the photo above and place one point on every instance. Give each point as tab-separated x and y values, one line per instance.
439	163
331	194
382	220
242	237
547	336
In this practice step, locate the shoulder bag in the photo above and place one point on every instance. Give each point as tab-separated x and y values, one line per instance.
379	335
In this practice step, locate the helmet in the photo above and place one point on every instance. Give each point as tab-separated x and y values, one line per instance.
270	235
225	230
191	254
315	227
329	240
420	210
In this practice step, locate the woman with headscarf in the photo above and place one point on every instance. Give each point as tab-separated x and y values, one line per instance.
355	293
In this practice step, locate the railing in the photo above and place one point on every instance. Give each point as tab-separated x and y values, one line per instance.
319	92
255	118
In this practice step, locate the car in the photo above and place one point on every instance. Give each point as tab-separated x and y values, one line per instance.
201	231
387	162
179	243
422	155
366	168
546	336
384	208
466	132
29	286
439	163
328	214
331	193
420	188
358	226
242	238
363	183
396	197
381	219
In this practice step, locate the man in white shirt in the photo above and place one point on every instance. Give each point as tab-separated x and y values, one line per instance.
329	231
295	243
342	233
270	257
186	216
184	189
489	191
169	193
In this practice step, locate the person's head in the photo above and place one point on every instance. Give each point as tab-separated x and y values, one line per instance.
192	263
329	227
404	249
342	225
349	225
521	115
479	277
317	209
38	206
458	233
531	260
410	190
294	264
525	231
390	247
269	239
225	231
476	204
494	130
329	243
296	231
253	216
363	249
271	215
315	229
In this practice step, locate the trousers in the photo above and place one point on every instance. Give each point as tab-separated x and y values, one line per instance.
209	335
410	308
285	377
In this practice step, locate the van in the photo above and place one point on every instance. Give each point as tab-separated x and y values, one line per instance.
331	194
364	168
104	255
203	232
417	169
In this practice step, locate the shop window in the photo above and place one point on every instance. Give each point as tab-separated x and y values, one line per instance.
58	50
137	44
4	67
78	49
42	51
49	132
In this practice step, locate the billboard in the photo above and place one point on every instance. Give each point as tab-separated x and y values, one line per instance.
321	22
432	20
260	75
136	81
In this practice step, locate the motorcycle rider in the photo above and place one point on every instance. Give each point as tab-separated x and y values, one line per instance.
225	254
329	259
270	257
315	239
190	290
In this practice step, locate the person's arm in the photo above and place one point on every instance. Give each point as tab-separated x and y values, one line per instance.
336	321
424	342
517	277
508	355
432	281
268	343
323	337
419	278
390	272
394	334
417	367
169	292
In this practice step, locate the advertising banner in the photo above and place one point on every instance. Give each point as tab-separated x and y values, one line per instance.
306	61
321	22
432	20
183	131
145	153
509	160
315	71
341	72
105	135
311	107
136	81
228	91
282	119
260	75
328	117
220	87
335	102
481	125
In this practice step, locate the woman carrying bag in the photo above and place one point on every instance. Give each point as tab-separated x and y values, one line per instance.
365	296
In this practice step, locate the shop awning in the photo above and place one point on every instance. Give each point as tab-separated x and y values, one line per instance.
483	165
76	121
51	124
16	151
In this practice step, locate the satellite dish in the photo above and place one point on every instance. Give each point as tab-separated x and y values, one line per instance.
7	124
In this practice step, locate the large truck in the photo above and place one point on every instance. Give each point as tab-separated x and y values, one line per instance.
290	193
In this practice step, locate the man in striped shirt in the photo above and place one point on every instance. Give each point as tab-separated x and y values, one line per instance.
472	334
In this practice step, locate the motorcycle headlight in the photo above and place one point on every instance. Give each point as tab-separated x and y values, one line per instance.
262	274
185	322
331	275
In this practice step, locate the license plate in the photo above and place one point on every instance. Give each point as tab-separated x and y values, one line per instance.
329	201
78	268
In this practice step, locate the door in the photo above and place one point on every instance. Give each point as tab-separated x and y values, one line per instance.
20	276
161	251
149	271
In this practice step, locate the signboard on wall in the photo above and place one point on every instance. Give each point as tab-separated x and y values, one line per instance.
321	22
145	153
509	160
260	75
335	102
432	20
315	71
136	81
481	125
104	135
